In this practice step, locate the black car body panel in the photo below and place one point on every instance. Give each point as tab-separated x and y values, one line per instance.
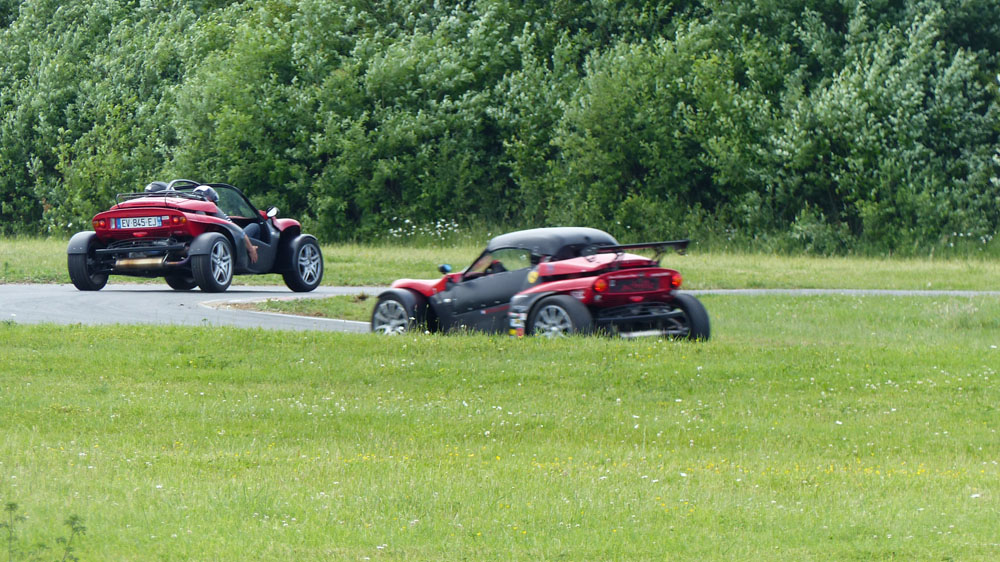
523	280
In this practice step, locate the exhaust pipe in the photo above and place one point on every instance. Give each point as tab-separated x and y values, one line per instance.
135	264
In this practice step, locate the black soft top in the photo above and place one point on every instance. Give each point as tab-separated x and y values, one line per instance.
560	243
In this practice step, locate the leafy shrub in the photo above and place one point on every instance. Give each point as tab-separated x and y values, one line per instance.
812	124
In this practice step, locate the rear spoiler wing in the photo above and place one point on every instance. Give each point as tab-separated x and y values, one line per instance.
680	246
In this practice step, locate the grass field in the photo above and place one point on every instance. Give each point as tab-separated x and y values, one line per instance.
344	307
44	261
808	428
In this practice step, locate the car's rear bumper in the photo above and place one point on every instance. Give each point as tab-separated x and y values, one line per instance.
144	257
141	249
646	319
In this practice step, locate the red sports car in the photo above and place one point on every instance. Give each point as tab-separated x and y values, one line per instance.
192	235
550	281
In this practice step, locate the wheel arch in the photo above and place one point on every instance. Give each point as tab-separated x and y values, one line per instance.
583	322
288	226
526	302
202	244
80	242
416	305
285	259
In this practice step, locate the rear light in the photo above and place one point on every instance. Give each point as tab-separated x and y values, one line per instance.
675	281
100	223
178	220
600	285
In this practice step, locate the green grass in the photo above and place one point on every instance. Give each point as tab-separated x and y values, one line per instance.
344	307
33	260
808	428
44	260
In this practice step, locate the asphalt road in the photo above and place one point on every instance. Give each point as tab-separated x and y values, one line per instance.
131	303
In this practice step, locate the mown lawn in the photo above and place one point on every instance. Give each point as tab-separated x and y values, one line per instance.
808	428
24	260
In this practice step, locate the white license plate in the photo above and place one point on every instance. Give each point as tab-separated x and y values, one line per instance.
139	222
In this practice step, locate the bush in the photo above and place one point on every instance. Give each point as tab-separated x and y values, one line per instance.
808	124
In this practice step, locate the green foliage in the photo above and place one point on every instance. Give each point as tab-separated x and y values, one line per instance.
38	551
659	123
821	125
896	146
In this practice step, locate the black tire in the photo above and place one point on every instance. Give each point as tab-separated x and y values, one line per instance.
695	324
213	272
559	315
181	281
391	317
307	265
81	269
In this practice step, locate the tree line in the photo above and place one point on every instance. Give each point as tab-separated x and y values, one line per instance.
819	125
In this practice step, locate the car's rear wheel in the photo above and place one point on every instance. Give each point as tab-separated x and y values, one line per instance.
694	325
82	269
559	315
390	316
213	272
307	266
181	281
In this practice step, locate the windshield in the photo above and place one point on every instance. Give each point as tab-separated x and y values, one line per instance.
506	259
234	204
231	201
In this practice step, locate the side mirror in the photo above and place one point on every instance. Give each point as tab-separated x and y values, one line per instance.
444	268
272	212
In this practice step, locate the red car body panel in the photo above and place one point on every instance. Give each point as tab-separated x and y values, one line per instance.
187	224
198	218
285	224
426	287
165	232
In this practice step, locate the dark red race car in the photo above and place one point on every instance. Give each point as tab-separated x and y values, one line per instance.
178	232
550	281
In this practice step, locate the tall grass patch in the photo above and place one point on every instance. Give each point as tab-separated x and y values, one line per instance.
33	260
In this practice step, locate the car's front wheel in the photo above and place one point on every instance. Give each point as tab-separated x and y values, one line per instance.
559	315
82	269
181	281
391	317
307	265
213	272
